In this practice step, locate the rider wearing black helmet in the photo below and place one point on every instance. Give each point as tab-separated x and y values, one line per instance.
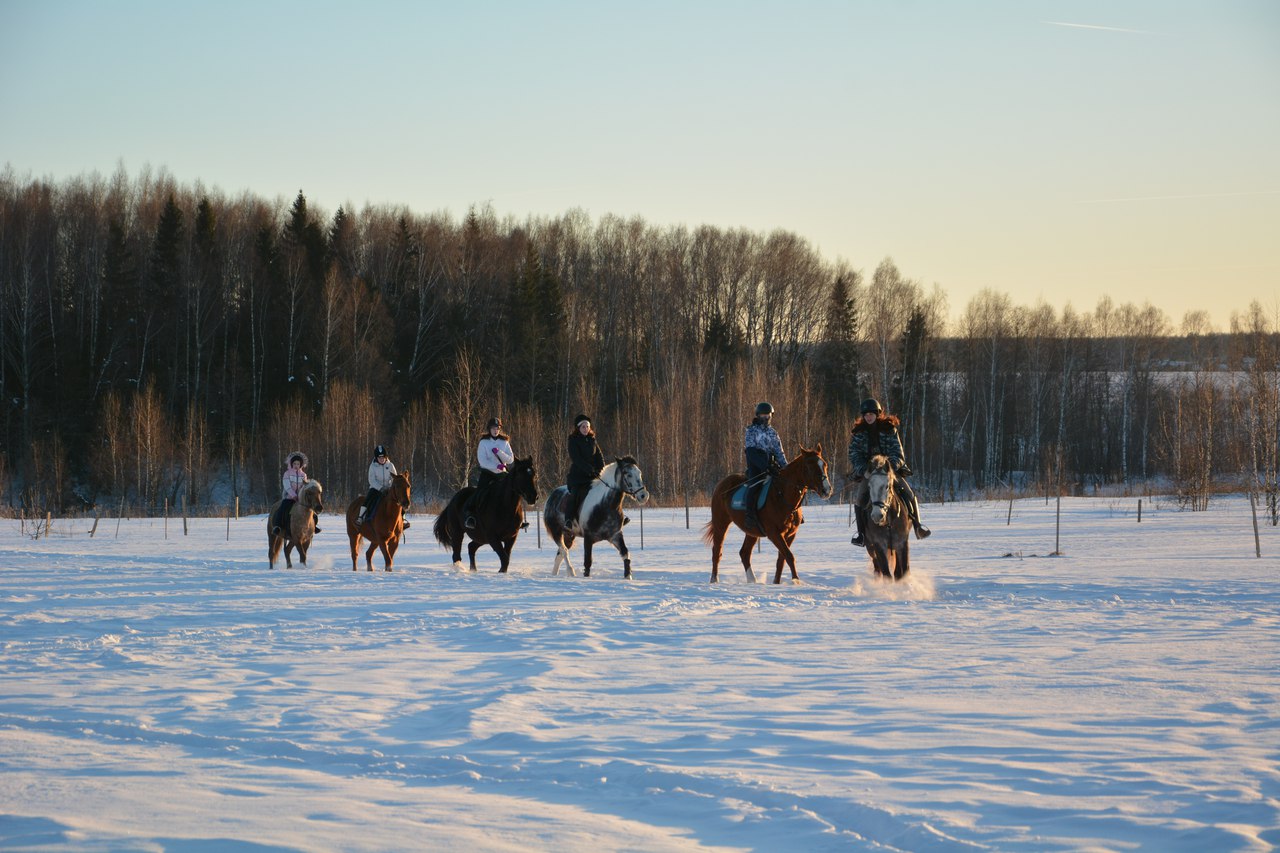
764	451
877	433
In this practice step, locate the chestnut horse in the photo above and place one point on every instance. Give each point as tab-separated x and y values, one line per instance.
889	529
384	526
779	518
301	527
498	522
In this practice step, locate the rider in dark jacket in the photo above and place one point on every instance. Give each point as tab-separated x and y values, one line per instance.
586	462
877	433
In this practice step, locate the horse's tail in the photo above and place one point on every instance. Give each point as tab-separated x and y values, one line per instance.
708	533
441	528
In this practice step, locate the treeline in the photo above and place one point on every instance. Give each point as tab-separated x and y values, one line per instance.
173	342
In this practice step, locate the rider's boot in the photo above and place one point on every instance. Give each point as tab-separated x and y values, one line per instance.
360	516
860	517
404	521
922	532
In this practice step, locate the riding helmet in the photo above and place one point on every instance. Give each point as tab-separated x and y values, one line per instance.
764	409
379	451
494	422
871	404
577	422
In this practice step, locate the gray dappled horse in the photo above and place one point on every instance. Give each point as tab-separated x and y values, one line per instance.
602	512
887	535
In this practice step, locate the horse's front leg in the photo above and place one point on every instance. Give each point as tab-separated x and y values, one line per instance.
586	556
784	556
902	563
504	548
745	555
621	545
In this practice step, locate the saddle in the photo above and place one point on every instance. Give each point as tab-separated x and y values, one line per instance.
738	500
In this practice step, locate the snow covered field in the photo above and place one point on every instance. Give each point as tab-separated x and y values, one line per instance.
175	694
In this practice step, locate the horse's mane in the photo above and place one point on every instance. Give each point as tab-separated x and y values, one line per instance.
879	464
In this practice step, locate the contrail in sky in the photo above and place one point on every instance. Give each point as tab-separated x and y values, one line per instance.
1096	27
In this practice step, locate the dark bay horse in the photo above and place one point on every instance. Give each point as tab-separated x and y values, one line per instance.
300	528
384	526
888	532
600	518
498	520
779	518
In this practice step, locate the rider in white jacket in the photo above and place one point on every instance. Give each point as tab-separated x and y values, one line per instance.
381	470
494	454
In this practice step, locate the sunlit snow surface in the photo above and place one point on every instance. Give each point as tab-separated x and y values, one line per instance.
176	694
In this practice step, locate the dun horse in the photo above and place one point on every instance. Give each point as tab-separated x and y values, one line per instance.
383	526
888	533
600	519
499	519
780	517
301	526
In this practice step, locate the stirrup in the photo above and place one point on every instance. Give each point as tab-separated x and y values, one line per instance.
858	540
275	531
407	525
470	523
317	530
922	532
626	520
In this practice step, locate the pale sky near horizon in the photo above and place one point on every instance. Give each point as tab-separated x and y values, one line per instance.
1055	151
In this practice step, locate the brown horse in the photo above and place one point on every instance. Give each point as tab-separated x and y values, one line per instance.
384	526
889	532
499	519
301	527
779	518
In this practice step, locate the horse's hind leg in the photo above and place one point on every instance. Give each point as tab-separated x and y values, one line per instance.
745	554
586	557
472	547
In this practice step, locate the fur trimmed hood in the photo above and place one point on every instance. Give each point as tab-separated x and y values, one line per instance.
288	459
885	423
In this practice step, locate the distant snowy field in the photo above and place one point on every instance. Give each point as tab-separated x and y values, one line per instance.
175	694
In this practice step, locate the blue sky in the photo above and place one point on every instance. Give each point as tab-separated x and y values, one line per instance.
1047	150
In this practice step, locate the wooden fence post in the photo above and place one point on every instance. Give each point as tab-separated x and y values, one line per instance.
686	510
119	516
96	519
1057	530
237	507
1009	519
641	527
1139	510
184	515
1257	542
166	518
48	524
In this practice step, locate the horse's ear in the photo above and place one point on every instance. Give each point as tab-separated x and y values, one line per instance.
407	478
819	448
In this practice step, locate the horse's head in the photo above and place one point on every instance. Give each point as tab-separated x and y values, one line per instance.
400	488
312	495
813	470
524	478
880	487
628	478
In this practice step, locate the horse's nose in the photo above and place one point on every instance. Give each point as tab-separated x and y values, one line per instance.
877	515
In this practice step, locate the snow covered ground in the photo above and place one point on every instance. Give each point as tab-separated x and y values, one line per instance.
175	694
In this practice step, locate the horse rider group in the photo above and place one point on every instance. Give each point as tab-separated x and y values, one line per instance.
875	433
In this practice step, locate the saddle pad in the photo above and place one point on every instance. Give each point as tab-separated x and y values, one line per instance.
739	499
